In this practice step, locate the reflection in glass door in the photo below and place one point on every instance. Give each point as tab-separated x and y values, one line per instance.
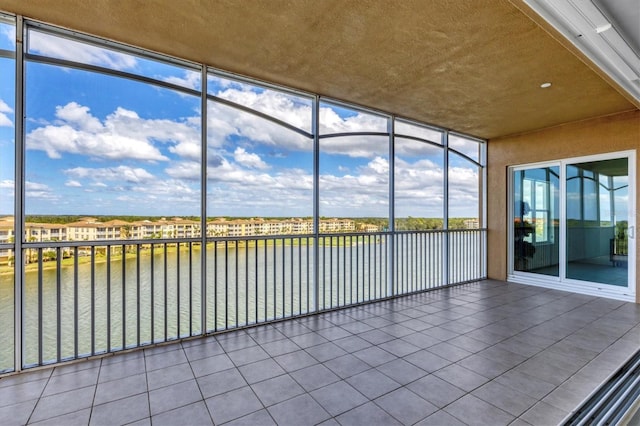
573	224
597	213
535	220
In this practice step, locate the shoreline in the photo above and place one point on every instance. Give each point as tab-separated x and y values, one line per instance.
145	251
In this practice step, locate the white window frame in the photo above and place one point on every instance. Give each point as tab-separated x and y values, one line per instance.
562	282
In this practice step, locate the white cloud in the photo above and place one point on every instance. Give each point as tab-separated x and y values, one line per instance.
190	80
136	187
7	192
276	104
463	178
5	121
411	148
9	32
419	188
250	160
224	83
35	186
170	194
403	128
73	184
79	117
64	48
189	170
356	146
187	149
229	173
120	173
39	191
122	135
5	109
380	166
240	179
252	193
417	174
170	187
237	191
363	191
225	121
332	122
464	192
465	146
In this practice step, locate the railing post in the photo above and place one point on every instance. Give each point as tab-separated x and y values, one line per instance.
18	280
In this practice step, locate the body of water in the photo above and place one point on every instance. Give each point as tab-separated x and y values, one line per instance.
98	306
111	303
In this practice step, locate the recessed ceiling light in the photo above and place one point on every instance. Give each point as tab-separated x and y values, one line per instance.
545	85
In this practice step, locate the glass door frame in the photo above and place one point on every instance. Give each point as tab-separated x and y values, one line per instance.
561	282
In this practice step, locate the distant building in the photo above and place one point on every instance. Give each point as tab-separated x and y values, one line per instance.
368	227
472	224
92	229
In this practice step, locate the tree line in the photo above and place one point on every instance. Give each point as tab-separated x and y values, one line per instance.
402	224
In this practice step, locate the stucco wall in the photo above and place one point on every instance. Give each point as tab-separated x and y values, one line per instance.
619	132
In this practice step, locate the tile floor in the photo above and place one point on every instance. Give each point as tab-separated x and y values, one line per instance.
486	353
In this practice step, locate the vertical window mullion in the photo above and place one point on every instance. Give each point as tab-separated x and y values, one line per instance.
315	129
19	198
445	215
203	199
391	225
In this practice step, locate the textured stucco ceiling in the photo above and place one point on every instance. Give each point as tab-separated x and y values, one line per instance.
472	66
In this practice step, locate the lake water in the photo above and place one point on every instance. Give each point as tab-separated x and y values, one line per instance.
92	308
161	295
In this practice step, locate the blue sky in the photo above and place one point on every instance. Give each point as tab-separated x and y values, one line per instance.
7	93
98	144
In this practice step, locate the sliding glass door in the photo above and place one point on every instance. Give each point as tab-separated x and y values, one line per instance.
598	221
573	224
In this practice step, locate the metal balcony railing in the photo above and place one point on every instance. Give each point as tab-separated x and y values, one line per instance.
82	299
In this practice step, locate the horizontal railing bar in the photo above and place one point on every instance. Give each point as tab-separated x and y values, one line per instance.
103	243
89	243
100	243
435	231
